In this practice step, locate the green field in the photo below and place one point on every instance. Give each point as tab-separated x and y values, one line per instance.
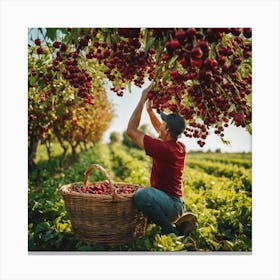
217	187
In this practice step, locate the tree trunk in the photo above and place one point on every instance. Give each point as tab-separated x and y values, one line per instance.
83	146
65	149
48	146
74	149
32	151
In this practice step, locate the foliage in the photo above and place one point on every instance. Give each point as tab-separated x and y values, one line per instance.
54	112
204	74
127	141
115	137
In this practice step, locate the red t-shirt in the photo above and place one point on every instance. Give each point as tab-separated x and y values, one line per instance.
168	164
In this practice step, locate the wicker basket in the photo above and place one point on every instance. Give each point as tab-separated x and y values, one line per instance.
110	219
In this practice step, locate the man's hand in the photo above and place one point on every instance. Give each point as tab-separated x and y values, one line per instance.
155	121
132	128
145	92
149	105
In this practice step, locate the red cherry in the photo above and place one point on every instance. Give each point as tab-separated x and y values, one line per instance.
247	32
56	44
37	42
180	34
196	53
63	47
208	63
174	44
191	32
204	45
246	54
196	63
40	50
236	31
165	57
174	73
237	60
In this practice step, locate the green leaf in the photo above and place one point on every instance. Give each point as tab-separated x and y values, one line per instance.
41	227
227	233
107	37
84	247
215	244
165	77
224	141
41	30
51	33
33	79
74	36
172	61
41	83
129	86
149	44
180	68
249	99
63	30
147	243
249	128
49	235
228	245
158	54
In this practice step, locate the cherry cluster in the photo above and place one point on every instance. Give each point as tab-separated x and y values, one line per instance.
104	189
71	70
203	74
66	61
124	59
208	78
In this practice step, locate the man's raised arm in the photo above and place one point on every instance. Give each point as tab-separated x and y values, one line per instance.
154	120
132	128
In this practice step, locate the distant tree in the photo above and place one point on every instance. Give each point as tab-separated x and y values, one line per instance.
115	137
128	142
218	150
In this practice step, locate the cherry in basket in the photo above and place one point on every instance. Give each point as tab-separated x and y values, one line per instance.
104	189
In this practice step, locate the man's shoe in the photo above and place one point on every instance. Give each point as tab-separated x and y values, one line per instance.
186	223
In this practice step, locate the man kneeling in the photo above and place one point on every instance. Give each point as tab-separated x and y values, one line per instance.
162	203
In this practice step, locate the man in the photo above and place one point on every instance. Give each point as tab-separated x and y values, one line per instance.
162	203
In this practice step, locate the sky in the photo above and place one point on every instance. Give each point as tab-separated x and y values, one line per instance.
238	136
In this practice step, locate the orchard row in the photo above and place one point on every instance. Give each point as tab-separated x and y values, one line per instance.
223	204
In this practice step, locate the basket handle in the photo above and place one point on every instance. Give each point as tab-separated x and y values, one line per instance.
108	177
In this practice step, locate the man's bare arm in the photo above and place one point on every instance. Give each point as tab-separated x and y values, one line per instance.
132	128
154	120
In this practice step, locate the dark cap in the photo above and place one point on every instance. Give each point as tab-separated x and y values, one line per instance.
176	123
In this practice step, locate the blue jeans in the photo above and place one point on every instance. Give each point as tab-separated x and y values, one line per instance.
159	207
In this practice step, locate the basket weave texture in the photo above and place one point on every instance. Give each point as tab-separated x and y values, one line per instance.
108	219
